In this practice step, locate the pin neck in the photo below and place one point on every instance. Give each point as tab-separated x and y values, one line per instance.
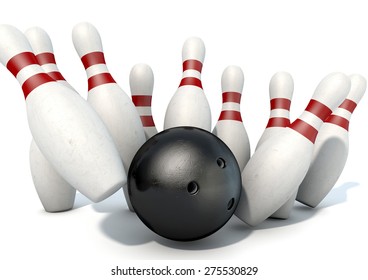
280	103
192	64
45	58
231	96
93	58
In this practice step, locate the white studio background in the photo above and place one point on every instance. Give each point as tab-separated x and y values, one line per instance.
309	39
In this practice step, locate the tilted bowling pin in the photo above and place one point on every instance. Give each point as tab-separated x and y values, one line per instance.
281	92
281	89
331	148
189	105
55	193
141	87
113	105
277	167
68	132
230	127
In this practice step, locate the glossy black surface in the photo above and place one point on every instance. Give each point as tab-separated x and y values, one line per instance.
184	183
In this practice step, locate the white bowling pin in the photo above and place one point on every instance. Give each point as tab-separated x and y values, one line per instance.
54	192
66	129
189	105
113	105
281	92
277	168
331	148
229	127
141	87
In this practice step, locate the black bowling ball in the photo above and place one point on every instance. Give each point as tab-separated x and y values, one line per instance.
184	183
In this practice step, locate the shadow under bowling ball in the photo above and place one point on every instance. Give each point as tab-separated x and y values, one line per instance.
184	183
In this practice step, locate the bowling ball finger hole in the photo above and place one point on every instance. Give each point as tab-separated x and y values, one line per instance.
193	188
221	163
230	204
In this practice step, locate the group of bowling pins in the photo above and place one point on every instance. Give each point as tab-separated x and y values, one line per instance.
88	145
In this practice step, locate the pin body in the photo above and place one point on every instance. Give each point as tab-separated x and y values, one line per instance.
54	192
331	148
141	87
111	103
66	129
189	105
277	168
229	127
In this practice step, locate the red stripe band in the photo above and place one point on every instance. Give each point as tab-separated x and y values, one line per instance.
45	58
93	58
278	122
349	105
19	61
304	129
337	120
191	81
56	76
231	96
192	64
280	103
100	79
318	109
142	100
147	121
35	81
230	115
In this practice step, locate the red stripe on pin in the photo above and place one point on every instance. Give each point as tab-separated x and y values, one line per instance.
349	105
192	64
230	115
142	100
19	61
93	58
191	81
45	58
280	103
304	129
318	109
339	121
147	121
33	82
278	122
56	76
100	79
231	96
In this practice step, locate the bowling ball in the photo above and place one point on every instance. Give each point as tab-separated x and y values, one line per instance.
184	183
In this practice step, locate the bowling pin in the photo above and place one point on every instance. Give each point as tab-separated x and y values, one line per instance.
113	105
331	148
141	87
229	127
54	192
68	132
189	105
277	167
281	92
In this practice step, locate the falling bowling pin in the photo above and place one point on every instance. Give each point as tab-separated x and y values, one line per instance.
141	87
68	132
230	127
331	148
113	105
277	168
189	105
55	193
281	89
